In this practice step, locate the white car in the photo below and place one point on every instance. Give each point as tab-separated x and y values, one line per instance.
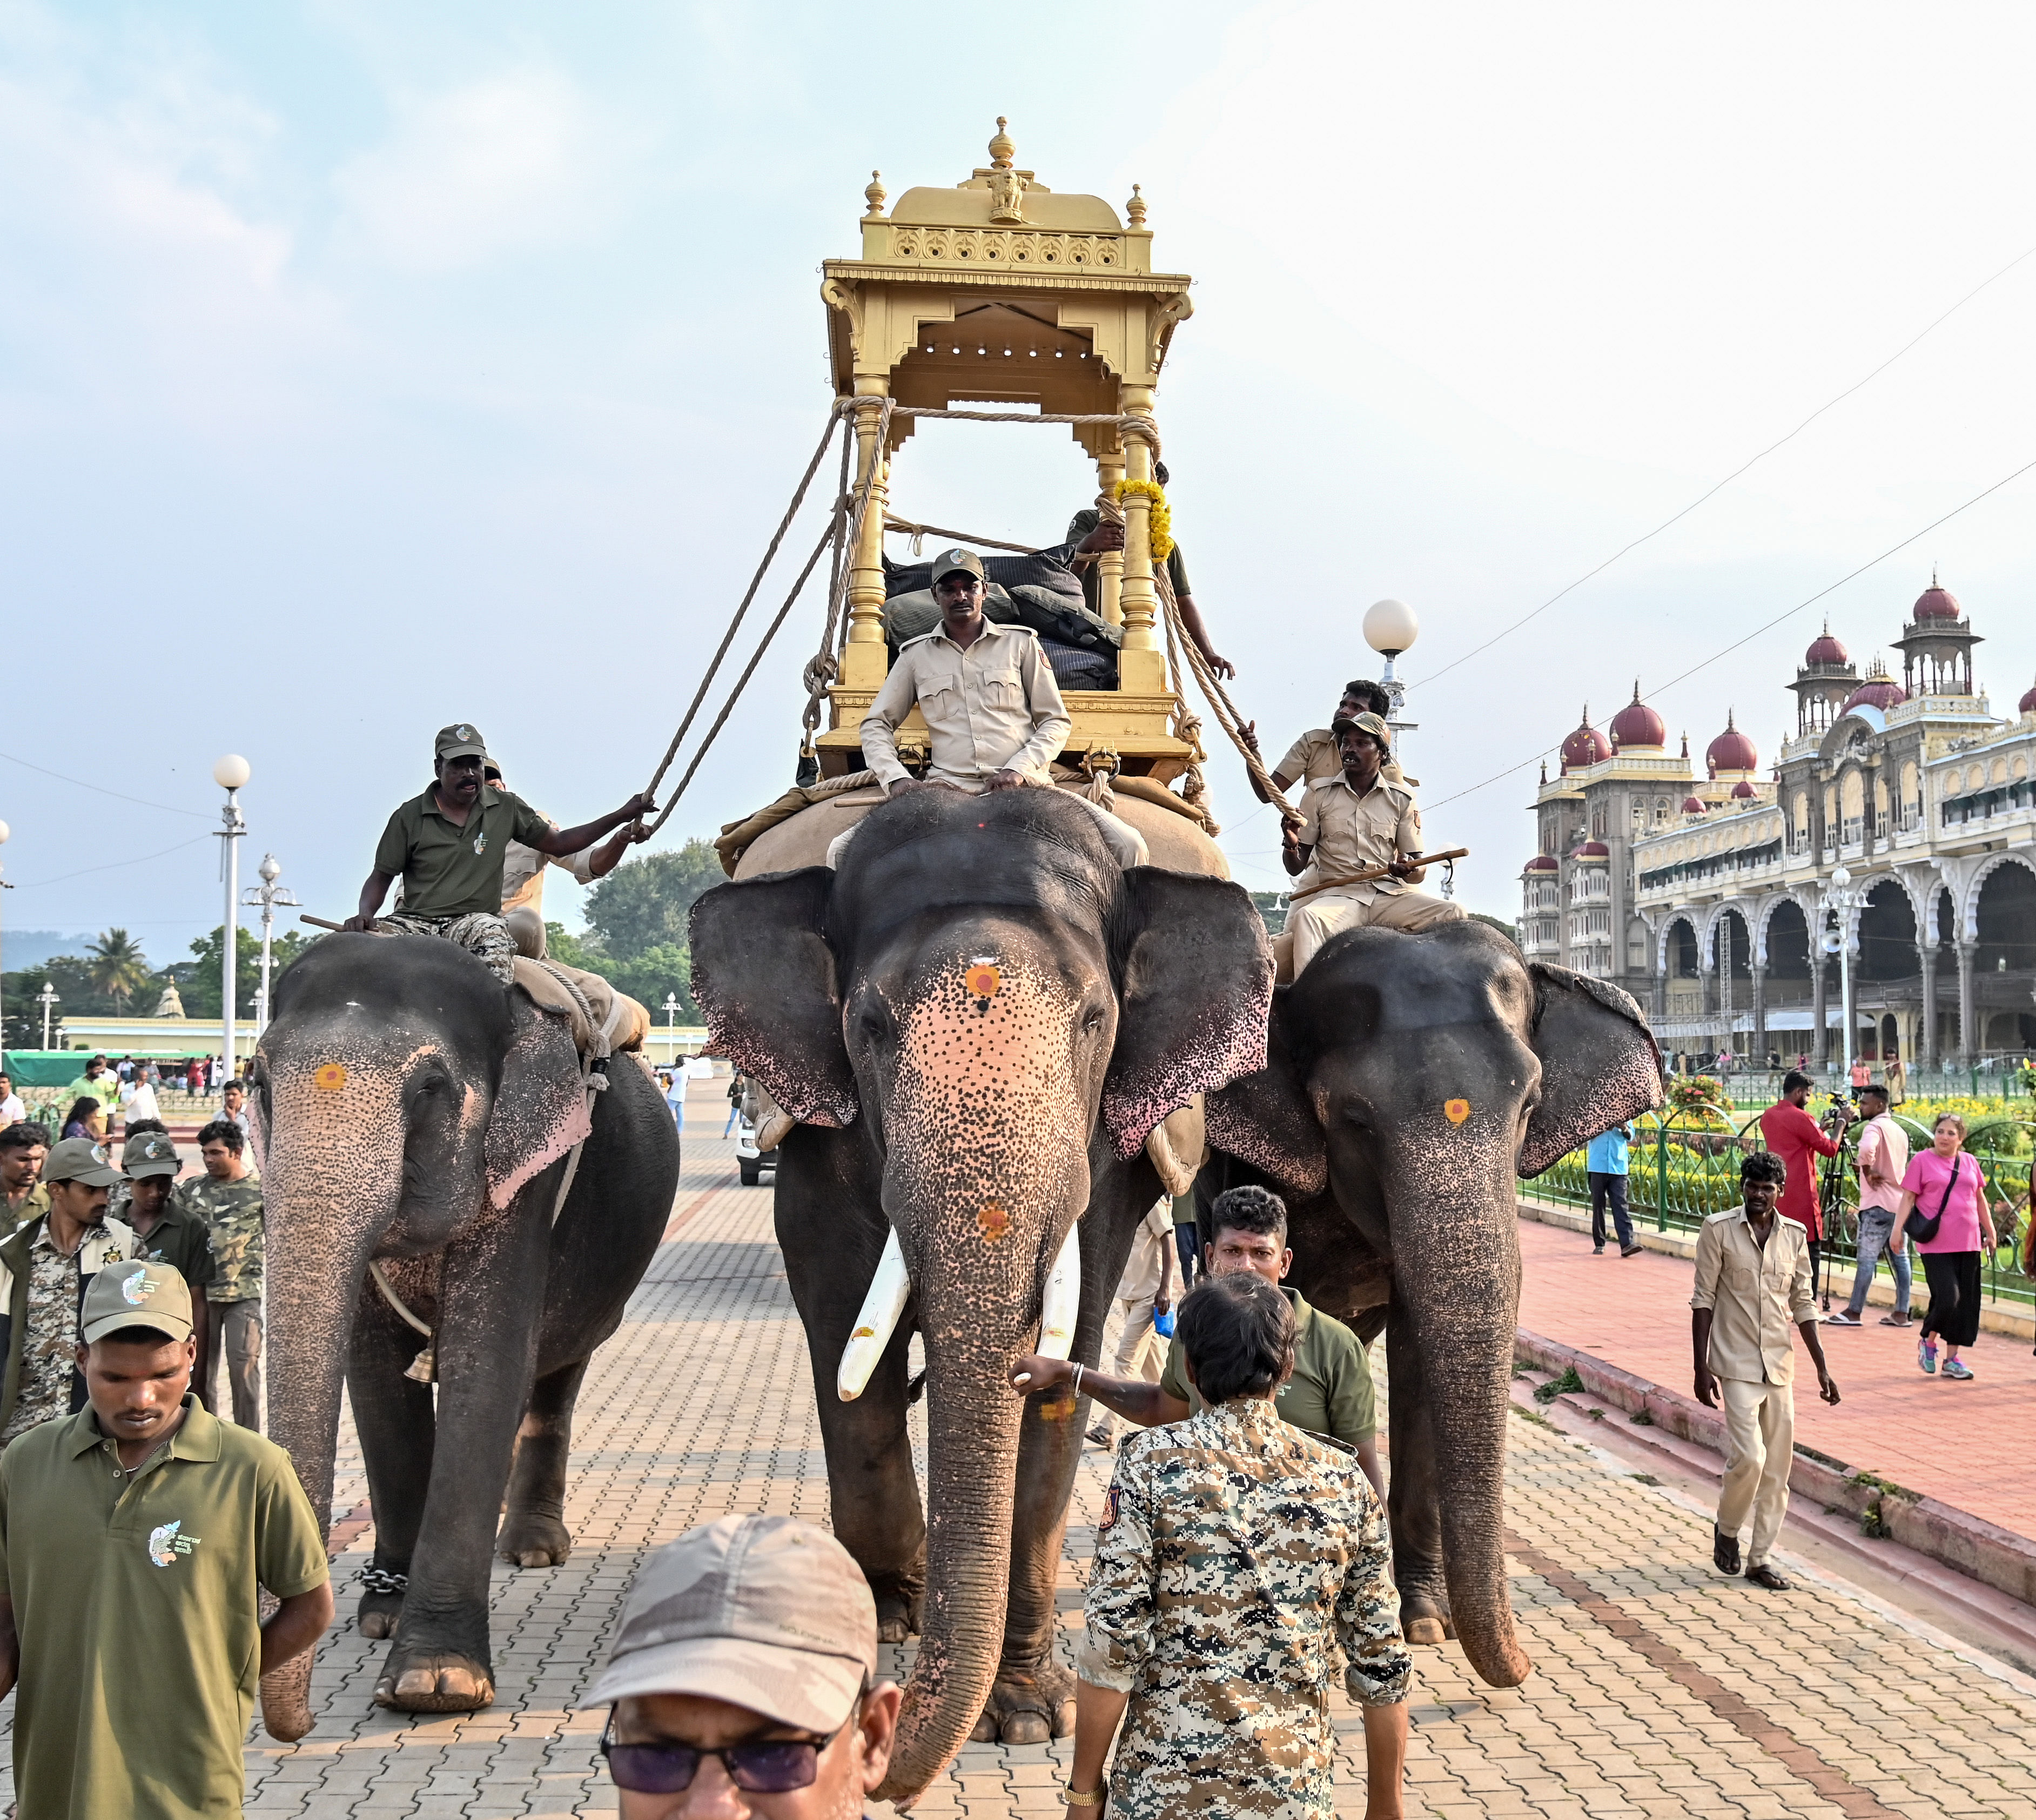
751	1160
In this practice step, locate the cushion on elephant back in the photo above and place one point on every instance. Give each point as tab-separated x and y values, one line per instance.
1048	569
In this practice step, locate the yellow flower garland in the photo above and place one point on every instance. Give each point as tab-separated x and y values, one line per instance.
1159	519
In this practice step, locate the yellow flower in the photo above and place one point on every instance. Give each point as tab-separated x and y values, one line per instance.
1159	519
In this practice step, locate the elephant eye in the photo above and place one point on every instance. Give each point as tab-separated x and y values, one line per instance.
1092	1022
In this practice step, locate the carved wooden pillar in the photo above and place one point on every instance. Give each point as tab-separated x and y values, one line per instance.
1140	599
863	661
1110	566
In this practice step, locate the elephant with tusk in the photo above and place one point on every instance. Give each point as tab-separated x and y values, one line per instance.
1410	1081
977	1021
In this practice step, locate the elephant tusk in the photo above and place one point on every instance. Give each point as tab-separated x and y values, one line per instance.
875	1322
1061	1304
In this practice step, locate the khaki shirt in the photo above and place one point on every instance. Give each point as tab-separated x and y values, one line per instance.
1145	1270
135	1600
523	873
1331	1391
993	707
1756	1295
1351	832
1314	755
451	871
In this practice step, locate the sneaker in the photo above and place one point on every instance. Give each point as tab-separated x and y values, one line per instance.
1631	1250
1926	1355
1597	1250
1895	1321
1956	1368
1845	1317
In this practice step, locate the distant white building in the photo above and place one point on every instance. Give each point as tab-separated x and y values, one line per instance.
1701	896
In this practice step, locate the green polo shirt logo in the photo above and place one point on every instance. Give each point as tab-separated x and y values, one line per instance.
166	1542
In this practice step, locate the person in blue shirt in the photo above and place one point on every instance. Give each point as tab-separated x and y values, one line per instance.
1606	1163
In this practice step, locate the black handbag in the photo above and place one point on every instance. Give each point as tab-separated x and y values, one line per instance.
1923	1231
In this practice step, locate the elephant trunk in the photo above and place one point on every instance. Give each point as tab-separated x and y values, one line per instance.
1456	1278
325	1198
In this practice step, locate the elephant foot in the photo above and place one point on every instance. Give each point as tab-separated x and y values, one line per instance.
530	1539
443	1681
378	1614
1424	1619
897	1617
1027	1709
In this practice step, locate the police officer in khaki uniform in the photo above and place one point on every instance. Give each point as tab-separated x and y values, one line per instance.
1351	822
1313	756
993	713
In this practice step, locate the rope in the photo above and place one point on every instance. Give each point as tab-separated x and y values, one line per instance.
921	533
823	669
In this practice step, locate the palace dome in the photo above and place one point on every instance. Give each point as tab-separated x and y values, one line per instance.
1592	850
2027	704
1694	806
1543	863
1878	691
1744	792
1936	603
1825	649
1637	725
1732	750
1586	746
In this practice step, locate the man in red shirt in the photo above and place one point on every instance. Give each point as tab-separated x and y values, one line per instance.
1796	1138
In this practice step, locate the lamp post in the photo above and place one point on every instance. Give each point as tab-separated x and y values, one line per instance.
230	774
48	999
1839	899
1390	628
268	895
672	1028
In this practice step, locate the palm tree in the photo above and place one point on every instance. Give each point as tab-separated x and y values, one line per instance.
117	967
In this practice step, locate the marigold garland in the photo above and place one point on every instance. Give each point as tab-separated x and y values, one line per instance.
1159	519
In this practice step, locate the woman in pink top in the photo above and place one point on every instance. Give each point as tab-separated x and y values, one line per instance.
1945	1176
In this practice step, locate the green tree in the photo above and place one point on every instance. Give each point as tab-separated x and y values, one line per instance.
198	979
643	903
1505	928
117	966
1271	910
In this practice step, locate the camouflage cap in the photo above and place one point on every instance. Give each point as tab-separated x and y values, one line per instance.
153	1295
461	741
948	561
79	1159
152	1153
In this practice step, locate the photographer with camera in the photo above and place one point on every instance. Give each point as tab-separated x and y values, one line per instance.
1788	1131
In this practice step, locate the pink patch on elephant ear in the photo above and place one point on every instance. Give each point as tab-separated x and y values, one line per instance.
540	1111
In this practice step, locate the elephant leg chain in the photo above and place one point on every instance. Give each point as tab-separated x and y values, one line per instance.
380	1579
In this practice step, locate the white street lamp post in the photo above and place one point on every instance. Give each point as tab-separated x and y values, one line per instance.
1390	628
230	774
672	1028
1840	900
268	895
48	999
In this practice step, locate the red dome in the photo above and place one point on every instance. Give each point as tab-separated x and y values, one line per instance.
1732	750
1637	725
1586	746
1693	805
1936	603
1542	863
1744	792
1878	691
1827	649
2027	704
1592	850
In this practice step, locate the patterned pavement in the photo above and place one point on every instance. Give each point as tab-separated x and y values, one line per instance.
1661	1690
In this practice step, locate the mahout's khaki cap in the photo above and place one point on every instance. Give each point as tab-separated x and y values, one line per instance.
948	561
153	1295
461	741
79	1159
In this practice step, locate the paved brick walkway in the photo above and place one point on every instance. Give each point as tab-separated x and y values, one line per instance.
1661	1690
1969	1444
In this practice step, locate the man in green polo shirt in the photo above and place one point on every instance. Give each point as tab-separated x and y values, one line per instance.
1330	1392
448	846
136	1537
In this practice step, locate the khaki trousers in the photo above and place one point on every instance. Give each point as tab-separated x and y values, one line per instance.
1140	1352
235	1328
1760	1446
1330	912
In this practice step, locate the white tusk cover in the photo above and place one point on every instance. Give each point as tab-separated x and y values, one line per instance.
875	1323
1061	1304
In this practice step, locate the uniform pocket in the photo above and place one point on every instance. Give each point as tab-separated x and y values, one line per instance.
1005	691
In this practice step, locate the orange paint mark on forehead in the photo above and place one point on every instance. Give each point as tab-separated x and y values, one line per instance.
330	1078
994	1223
1456	1111
982	980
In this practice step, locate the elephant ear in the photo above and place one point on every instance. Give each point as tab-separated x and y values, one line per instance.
541	1110
1600	1066
1194	976
765	975
1267	1119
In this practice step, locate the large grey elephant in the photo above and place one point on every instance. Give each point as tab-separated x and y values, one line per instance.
416	1115
977	1021
1410	1080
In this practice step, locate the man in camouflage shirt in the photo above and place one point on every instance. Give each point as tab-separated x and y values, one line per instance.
45	1269
1237	1556
227	1199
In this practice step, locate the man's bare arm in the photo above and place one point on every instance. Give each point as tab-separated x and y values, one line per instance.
1385	1760
608	855
10	1648
1132	1398
559	842
1191	617
371	895
299	1623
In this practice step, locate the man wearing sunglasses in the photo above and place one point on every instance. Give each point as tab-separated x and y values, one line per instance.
743	1680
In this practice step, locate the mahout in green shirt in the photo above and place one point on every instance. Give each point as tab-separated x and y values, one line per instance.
1330	1391
452	869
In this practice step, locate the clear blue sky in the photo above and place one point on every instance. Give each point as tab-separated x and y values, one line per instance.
365	367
